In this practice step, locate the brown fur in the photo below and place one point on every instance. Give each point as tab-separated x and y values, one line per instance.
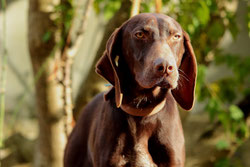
150	62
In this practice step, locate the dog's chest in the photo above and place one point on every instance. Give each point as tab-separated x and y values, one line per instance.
132	148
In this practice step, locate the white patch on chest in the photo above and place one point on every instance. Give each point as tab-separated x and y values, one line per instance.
142	155
143	158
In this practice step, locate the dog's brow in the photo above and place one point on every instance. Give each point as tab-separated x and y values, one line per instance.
149	27
169	26
174	27
173	31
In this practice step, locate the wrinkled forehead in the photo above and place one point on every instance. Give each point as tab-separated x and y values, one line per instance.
152	21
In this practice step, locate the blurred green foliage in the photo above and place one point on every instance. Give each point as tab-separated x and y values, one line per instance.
222	145
107	7
225	162
248	18
206	22
47	36
64	13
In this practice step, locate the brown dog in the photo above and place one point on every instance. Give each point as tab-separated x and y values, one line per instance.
151	64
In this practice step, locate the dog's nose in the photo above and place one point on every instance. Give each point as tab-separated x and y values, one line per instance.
169	69
162	66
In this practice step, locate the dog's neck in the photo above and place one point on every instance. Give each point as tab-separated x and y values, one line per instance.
144	102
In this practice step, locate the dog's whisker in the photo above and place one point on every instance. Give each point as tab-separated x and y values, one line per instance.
138	101
182	73
184	77
180	83
137	106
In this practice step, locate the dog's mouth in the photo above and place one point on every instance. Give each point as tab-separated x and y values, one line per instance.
151	81
164	84
149	97
167	82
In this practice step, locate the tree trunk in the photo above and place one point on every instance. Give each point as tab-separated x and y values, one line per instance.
51	139
93	83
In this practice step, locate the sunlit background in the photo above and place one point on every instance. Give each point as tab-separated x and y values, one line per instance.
216	130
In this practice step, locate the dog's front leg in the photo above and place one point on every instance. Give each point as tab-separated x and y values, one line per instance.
118	158
142	155
173	140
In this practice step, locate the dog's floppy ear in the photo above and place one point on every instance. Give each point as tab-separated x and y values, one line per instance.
184	93
108	64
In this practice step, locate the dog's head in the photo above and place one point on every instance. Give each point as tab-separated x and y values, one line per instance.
156	51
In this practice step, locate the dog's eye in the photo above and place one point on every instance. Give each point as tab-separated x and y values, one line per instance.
177	36
140	35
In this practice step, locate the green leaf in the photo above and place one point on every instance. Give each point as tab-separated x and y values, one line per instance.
243	132
228	89
233	28
107	7
222	145
202	69
201	89
96	7
223	163
248	18
46	37
246	92
216	30
145	7
224	118
203	13
212	108
235	112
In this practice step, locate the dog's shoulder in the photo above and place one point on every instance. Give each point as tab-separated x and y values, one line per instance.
98	103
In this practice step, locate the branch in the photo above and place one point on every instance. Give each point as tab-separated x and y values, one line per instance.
79	34
135	8
158	6
67	57
3	74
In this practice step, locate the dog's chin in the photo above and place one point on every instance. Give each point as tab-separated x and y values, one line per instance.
166	84
163	83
